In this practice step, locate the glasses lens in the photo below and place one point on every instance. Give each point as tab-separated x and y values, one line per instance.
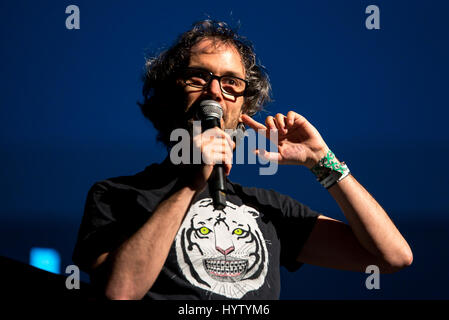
232	85
200	79
196	78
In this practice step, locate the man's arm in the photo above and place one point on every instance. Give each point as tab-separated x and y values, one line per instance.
130	270
370	237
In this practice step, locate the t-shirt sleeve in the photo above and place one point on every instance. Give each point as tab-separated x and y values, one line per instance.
105	224
294	228
293	221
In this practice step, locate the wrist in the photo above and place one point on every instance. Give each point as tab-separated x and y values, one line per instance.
194	177
328	170
191	186
313	161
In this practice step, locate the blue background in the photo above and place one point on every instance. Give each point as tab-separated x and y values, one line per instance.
378	97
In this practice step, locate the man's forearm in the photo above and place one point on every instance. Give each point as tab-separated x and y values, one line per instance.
370	223
135	265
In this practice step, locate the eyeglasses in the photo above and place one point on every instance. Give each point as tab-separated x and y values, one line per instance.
200	78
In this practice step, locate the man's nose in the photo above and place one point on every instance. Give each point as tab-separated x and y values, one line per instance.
214	89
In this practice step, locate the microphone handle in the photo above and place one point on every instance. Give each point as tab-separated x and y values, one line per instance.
217	187
217	181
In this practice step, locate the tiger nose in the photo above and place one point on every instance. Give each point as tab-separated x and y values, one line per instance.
223	244
225	252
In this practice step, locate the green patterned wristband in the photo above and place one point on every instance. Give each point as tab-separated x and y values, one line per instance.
328	170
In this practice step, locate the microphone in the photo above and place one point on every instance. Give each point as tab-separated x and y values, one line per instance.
210	113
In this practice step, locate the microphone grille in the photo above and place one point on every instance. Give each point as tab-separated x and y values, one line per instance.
210	108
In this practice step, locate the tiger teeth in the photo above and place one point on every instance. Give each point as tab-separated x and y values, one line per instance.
226	266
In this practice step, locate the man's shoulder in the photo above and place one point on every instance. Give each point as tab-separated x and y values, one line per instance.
145	189
270	200
151	178
261	195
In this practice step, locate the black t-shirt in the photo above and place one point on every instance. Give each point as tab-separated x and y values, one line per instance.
234	253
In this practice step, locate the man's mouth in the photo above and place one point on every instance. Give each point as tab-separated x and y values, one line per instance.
226	270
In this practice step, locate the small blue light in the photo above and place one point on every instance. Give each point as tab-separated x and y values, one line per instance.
46	259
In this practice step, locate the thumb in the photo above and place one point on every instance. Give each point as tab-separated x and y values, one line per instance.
227	168
266	155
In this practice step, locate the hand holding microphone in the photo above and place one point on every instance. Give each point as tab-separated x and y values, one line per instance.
216	147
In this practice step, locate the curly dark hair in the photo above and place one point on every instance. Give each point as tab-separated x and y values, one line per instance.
164	99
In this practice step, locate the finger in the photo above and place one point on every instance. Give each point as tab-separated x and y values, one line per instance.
280	122
290	118
220	158
296	118
214	132
215	136
222	136
227	168
228	158
207	137
252	123
207	154
229	140
223	149
223	145
207	158
298	121
270	156
212	158
269	122
258	127
211	147
218	151
197	142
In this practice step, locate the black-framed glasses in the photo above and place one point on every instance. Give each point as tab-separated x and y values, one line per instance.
200	78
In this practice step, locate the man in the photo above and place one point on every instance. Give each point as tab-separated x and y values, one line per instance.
156	234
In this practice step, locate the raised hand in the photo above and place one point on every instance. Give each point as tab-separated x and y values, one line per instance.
299	142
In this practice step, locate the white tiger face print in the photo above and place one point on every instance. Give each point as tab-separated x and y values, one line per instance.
222	251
